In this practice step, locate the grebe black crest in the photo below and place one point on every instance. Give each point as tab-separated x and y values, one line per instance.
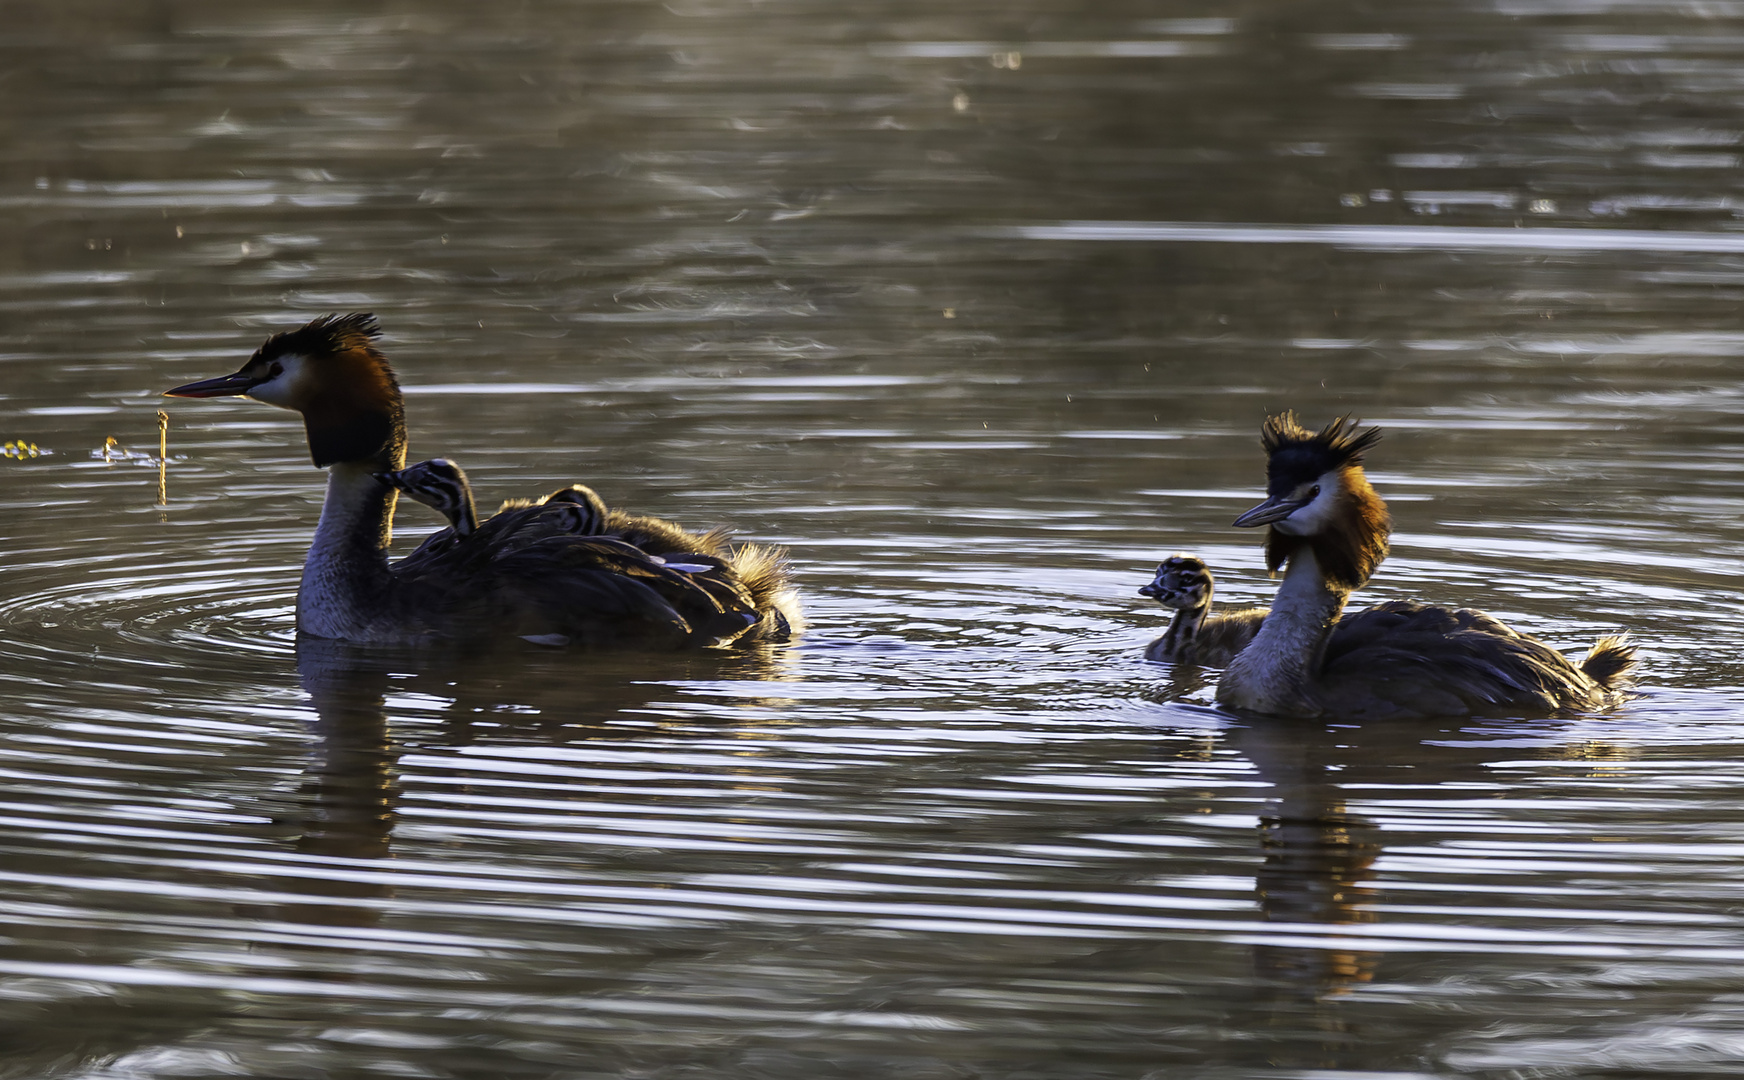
549	574
1194	636
1328	532
1316	495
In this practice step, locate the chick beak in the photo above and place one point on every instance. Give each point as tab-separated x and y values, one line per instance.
222	386
1276	508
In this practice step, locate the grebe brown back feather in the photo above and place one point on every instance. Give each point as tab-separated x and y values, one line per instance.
575	510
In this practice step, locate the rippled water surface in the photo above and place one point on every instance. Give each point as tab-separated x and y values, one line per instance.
977	309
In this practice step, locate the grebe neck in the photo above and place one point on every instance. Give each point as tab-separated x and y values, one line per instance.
345	577
1277	671
1184	627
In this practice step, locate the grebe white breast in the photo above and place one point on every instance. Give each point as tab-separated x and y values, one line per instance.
1194	636
1328	530
527	575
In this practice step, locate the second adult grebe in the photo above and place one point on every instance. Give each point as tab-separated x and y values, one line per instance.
1194	636
544	585
1329	532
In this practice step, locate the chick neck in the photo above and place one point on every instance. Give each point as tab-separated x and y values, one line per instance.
1185	626
465	516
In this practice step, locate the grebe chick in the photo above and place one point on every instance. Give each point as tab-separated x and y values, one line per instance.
507	577
442	485
1329	532
653	535
576	510
1184	583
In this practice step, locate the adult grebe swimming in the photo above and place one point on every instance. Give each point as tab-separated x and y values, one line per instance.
1194	636
1329	532
540	583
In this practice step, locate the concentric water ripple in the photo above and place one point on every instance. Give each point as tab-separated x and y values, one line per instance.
959	811
152	600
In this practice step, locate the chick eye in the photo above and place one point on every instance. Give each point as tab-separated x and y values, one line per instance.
1314	492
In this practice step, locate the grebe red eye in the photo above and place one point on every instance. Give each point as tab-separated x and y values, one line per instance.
278	369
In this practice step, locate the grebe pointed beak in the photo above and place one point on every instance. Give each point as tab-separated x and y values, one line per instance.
1276	508
222	386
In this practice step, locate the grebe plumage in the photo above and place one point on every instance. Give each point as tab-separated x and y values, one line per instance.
1194	636
1328	530
576	510
510	576
442	485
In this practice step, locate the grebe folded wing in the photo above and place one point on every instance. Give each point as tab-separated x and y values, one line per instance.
1402	658
561	588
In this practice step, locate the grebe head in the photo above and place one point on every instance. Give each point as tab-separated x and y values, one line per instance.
1183	582
1318	496
440	484
330	371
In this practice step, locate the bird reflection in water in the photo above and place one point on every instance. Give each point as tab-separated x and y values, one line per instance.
1315	887
350	791
560	702
1317	859
346	807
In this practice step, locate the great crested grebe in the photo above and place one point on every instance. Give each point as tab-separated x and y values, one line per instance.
507	577
1184	583
1398	659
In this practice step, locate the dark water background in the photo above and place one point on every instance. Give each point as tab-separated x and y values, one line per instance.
902	286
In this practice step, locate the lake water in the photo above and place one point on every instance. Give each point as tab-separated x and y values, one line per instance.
977	309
